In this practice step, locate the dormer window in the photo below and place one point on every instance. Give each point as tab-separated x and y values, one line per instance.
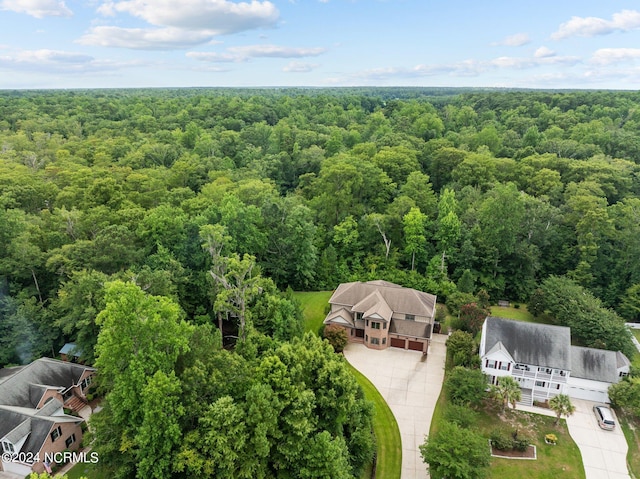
358	315
8	448
410	317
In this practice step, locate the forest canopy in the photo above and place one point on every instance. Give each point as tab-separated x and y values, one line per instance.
433	189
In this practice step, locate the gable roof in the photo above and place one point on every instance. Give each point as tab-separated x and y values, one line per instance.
339	316
595	364
23	388
531	343
398	298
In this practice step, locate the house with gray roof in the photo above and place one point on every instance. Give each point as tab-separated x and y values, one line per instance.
33	421
381	314
541	358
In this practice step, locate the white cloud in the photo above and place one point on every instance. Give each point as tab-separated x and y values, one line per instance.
246	52
179	25
623	21
608	56
144	38
59	62
37	8
544	52
516	40
220	16
299	67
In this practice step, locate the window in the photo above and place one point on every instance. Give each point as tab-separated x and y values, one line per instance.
540	384
623	374
85	382
8	447
491	363
410	317
384	326
358	315
56	433
70	440
375	325
366	338
375	341
504	366
384	340
367	322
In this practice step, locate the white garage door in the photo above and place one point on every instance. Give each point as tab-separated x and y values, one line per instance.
588	394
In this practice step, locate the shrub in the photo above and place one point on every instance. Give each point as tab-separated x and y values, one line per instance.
461	415
466	387
336	336
520	444
501	440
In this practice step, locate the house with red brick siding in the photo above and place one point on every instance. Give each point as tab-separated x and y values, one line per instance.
42	408
380	314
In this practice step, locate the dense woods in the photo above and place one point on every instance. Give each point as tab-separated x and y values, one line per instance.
218	202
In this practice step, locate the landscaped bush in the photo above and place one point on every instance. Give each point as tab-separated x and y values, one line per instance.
501	440
336	336
461	415
521	444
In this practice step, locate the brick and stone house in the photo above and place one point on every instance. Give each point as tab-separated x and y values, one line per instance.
33	400
541	358
380	314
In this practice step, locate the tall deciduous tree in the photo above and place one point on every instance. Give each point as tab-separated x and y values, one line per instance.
414	223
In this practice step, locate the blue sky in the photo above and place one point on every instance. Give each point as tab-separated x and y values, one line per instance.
158	43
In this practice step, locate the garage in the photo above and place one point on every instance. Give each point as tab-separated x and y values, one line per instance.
16	468
416	345
588	394
397	343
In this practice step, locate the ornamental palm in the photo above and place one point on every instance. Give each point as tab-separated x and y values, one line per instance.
507	391
561	404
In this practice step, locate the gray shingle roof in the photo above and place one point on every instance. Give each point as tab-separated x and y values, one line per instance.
531	343
18	389
595	364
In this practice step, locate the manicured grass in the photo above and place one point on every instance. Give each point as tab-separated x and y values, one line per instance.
519	314
553	462
88	470
631	429
636	333
313	308
385	428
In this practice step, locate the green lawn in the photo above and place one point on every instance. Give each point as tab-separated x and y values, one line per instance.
562	460
88	470
313	308
520	314
385	427
636	333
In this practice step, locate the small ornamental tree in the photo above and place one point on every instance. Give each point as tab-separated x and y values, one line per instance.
456	453
466	386
462	350
472	316
336	336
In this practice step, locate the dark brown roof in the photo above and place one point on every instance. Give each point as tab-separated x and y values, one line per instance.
413	329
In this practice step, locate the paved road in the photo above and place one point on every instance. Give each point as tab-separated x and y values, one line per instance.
410	385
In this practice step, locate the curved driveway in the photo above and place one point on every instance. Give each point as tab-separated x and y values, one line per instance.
410	384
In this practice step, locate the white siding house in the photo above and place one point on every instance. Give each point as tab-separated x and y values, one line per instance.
540	357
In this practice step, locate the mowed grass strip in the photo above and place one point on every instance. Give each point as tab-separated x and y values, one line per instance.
385	428
313	307
519	314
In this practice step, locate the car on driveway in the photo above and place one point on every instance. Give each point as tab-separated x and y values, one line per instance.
604	417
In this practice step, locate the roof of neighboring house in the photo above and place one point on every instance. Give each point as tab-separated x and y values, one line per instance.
595	364
70	348
531	343
414	329
22	388
18	422
397	298
6	373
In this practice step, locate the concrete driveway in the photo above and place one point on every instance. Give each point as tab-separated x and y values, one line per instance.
604	453
410	383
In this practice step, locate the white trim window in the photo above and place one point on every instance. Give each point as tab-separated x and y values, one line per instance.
56	433
8	447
